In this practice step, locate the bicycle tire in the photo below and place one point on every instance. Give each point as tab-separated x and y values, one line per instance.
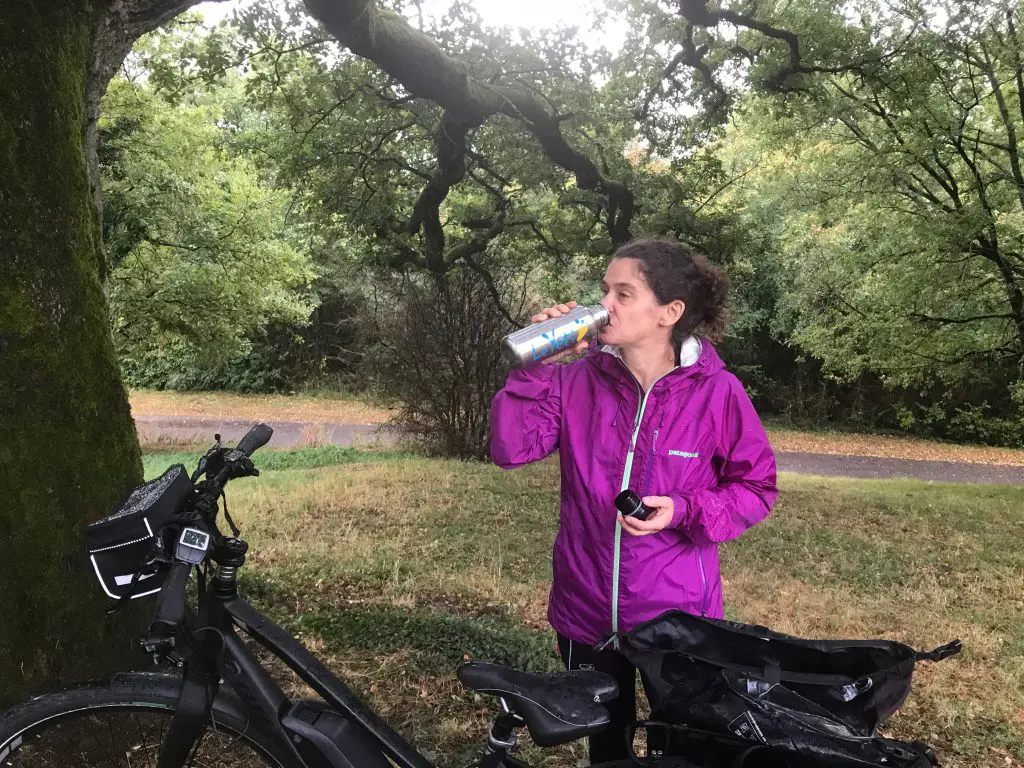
121	724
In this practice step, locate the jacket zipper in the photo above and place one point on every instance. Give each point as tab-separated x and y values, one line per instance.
618	526
650	463
625	484
703	584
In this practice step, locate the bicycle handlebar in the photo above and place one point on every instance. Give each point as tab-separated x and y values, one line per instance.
255	439
170	607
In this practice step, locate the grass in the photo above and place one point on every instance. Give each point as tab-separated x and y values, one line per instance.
155	462
395	568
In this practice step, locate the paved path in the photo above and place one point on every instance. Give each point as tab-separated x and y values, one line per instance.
875	467
287	434
290	433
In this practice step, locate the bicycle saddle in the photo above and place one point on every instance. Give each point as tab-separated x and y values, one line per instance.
557	707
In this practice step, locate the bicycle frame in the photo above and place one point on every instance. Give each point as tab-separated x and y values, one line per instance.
258	689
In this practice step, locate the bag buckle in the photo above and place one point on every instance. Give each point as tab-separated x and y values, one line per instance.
945	651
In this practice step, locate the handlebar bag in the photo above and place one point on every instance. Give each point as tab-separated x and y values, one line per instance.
120	543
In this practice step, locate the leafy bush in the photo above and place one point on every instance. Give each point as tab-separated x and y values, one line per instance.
440	355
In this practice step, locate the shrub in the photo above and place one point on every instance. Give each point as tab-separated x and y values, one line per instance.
440	356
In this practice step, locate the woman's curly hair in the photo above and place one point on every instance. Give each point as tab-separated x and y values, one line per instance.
675	271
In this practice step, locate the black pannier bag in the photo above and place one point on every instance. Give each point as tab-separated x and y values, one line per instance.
817	700
120	543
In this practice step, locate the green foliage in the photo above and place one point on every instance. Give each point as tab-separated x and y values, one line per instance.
357	151
201	258
891	215
868	203
353	153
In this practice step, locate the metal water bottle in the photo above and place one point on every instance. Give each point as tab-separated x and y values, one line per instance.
542	340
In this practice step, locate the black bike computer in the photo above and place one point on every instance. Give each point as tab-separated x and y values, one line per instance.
192	546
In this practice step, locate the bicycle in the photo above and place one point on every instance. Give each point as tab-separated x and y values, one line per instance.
225	708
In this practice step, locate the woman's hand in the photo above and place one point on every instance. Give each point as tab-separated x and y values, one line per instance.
557	311
659	521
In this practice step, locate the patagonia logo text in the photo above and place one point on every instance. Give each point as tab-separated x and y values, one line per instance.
685	454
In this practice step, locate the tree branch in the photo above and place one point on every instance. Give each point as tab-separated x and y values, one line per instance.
450	146
416	61
491	288
1018	65
960	320
1011	129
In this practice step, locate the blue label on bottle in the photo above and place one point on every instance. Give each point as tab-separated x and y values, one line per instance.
559	339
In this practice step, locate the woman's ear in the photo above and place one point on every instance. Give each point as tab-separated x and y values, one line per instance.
672	311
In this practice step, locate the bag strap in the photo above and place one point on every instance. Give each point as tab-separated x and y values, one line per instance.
951	648
742	757
773	672
199	689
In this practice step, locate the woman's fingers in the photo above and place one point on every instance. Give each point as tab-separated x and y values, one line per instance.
656	522
556	311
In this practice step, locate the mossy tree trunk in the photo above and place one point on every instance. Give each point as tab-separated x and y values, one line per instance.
68	448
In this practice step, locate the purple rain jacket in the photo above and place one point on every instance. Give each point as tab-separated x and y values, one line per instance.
695	437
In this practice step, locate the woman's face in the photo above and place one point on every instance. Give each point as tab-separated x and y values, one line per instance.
636	316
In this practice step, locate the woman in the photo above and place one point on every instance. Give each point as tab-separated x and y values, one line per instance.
650	408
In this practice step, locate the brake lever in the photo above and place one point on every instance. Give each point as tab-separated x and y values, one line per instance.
214	460
211	462
241	465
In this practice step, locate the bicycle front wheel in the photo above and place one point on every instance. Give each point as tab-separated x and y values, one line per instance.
122	724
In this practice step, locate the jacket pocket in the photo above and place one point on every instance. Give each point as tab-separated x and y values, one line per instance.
705	591
680	461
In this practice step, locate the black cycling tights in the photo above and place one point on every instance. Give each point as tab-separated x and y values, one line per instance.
609	744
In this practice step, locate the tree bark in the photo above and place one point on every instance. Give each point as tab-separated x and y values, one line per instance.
68	448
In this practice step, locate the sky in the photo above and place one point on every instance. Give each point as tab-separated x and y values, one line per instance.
533	14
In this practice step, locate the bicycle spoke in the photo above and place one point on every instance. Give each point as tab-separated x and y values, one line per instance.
143	738
94	733
144	742
164	723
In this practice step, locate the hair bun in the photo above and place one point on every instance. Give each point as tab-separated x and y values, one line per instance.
715	287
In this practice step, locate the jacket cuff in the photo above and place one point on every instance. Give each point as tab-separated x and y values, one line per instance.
681	511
